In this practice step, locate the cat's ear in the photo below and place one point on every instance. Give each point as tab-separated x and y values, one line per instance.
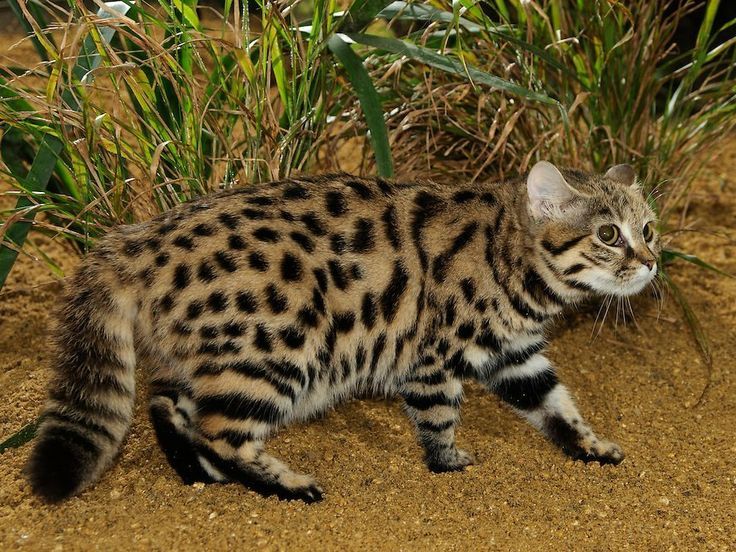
550	196
623	174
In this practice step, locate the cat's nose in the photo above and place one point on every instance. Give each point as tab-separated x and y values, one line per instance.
649	263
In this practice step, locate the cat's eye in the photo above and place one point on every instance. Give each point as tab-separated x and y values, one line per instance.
648	231
609	234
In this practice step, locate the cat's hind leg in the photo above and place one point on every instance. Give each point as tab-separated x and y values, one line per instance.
530	385
234	448
173	414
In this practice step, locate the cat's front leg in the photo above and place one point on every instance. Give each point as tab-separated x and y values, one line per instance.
533	390
433	395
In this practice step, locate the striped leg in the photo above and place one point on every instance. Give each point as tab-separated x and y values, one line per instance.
533	390
433	395
172	413
239	456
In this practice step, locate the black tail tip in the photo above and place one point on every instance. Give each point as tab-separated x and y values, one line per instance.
58	469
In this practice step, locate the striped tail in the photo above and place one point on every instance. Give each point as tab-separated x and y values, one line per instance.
91	398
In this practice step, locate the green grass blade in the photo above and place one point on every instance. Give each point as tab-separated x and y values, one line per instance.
20	437
369	101
425	12
669	255
361	13
453	66
36	181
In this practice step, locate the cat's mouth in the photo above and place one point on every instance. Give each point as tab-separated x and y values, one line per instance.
607	284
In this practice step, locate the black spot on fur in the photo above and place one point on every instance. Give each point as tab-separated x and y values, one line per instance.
246	302
314	224
338	274
385	187
226	261
468	287
391	296
465	330
463	196
133	248
166	302
356	271
217	301
488	340
228	220
262	340
336	204
266	234
236	242
291	268
260	200
321	277
254	214
364	238
450	311
182	276
194	310
303	241
234	329
296	192
277	301
292	337
426	206
442	347
360	357
206	272
208	332
258	261
318	301
368	310
378	348
203	230
338	244
391	225
181	329
184	242
166	228
481	305
344	321
361	189
308	317
162	259
488	198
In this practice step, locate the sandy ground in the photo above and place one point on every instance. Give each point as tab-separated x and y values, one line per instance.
641	386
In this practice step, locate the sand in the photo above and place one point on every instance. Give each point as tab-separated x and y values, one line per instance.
644	386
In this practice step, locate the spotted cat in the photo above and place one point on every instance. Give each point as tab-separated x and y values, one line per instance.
261	306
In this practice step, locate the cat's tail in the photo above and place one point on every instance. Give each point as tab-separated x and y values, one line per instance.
91	398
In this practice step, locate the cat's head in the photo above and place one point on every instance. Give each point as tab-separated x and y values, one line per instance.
595	231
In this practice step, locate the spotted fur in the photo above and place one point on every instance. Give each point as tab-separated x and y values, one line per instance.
266	305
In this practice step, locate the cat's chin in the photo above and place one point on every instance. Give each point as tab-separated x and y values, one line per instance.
606	285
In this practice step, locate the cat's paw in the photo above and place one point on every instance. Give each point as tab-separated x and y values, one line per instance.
300	487
449	460
603	452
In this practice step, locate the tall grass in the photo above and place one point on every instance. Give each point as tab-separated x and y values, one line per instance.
141	106
631	93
